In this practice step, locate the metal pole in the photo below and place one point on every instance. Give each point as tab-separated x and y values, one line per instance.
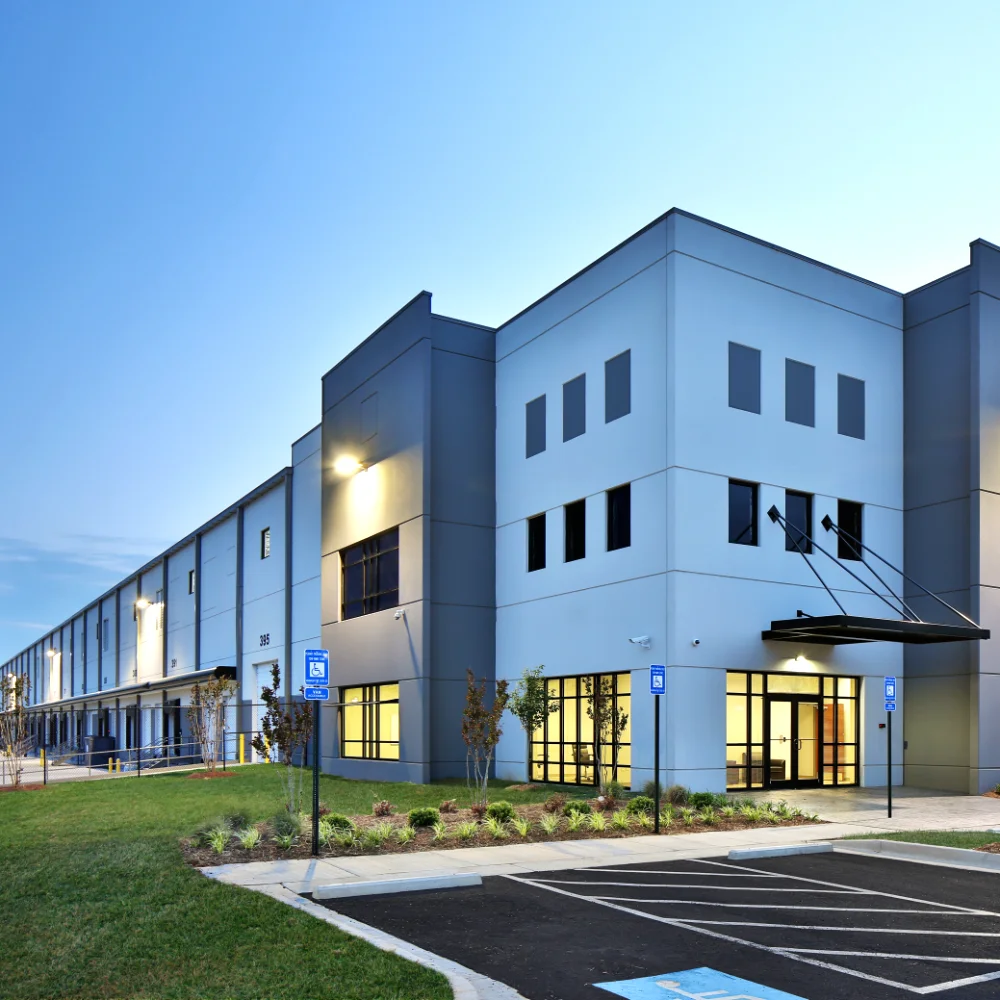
315	809
656	763
138	735
888	741
45	749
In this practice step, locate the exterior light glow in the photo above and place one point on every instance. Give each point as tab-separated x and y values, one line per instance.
142	602
347	466
50	653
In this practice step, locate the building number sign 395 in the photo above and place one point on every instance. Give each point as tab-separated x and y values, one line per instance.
265	639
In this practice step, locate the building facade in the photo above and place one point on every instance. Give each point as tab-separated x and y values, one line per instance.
588	488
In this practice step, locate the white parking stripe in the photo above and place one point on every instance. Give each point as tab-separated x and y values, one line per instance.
885	954
781	906
848	930
716	888
654	871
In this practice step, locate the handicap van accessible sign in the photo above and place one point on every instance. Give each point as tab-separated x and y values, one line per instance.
695	984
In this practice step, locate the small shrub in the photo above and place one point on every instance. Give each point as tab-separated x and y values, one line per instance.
676	795
707	816
649	789
556	803
285	841
641	804
727	812
576	820
701	799
478	810
202	836
345	838
687	816
382	808
522	826
249	838
749	811
621	820
645	821
236	821
501	810
324	810
405	834
615	789
448	806
606	803
549	824
496	827
666	817
576	806
375	836
466	830
440	830
426	816
338	821
286	824
326	832
597	822
218	839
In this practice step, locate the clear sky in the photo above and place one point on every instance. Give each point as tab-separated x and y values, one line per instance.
204	206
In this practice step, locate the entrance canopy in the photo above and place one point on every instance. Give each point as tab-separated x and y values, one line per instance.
835	630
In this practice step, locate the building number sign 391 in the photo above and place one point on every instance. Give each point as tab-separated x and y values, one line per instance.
265	639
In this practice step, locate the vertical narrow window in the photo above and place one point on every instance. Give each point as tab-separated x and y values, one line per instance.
105	636
744	378
618	386
619	517
534	427
159	610
536	542
800	393
265	543
798	518
742	512
574	407
576	530
850	406
850	523
190	581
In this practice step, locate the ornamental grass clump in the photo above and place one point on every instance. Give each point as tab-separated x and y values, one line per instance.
405	834
218	838
597	822
497	828
645	821
621	819
466	830
575	820
521	826
440	830
549	824
249	838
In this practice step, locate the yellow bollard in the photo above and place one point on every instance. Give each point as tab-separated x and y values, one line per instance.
109	765
42	757
241	747
118	764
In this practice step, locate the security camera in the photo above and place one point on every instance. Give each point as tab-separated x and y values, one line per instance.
696	642
399	614
641	640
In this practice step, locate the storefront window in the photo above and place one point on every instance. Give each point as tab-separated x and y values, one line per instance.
369	722
564	749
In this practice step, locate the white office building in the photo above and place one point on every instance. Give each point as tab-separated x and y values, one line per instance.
702	451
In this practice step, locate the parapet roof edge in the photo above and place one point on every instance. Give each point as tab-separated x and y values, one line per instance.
264	487
302	437
935	281
707	222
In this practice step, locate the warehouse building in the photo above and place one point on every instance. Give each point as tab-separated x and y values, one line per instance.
702	451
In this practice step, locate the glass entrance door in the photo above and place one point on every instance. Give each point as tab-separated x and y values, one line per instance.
793	742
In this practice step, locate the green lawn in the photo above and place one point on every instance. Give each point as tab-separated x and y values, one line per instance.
97	903
940	838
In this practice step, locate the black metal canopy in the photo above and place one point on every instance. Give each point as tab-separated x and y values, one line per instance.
833	630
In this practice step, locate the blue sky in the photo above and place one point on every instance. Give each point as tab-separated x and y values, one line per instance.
204	206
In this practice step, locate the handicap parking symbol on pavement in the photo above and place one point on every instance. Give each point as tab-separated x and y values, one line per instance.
694	984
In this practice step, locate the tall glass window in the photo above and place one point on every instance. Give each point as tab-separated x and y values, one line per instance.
371	575
564	748
369	721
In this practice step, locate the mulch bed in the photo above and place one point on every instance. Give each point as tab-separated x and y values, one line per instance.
424	839
989	848
206	775
33	787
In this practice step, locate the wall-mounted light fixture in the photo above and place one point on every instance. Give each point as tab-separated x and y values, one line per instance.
50	653
348	465
142	603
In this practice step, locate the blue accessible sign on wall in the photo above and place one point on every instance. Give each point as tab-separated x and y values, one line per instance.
694	984
318	666
657	679
316	694
890	689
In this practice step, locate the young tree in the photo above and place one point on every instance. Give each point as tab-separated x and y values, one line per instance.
284	729
206	715
15	738
529	703
481	732
609	719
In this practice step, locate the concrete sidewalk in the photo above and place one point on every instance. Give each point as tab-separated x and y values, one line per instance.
849	811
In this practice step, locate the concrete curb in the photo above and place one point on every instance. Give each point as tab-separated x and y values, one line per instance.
749	853
465	983
418	883
925	854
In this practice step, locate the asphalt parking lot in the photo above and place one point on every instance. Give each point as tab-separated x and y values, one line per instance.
816	927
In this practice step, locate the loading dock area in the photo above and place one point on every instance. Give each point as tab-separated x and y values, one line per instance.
816	927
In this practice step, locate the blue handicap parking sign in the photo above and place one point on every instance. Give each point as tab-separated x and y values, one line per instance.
318	667
694	984
657	679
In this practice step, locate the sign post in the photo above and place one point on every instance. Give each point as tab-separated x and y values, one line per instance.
317	689
657	686
890	707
